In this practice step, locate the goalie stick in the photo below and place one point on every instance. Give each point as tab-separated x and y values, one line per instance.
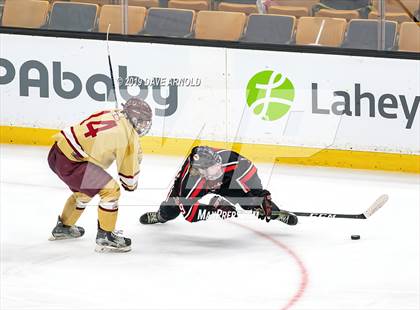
375	206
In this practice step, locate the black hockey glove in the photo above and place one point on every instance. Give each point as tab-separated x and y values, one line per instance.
266	209
222	207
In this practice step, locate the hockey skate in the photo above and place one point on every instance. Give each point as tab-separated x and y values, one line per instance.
151	218
112	241
61	231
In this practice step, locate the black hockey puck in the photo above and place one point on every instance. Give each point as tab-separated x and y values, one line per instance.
355	237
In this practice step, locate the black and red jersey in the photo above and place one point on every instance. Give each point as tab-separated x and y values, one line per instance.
239	180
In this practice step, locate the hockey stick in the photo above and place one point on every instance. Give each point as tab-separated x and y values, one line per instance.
318	37
110	67
375	206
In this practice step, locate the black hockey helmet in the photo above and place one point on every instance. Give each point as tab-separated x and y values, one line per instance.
139	114
203	157
207	162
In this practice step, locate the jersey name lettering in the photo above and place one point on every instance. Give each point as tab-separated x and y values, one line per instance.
202	215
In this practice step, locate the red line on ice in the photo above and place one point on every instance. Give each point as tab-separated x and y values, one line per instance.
303	272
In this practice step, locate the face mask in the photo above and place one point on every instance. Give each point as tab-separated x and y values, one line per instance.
212	173
143	127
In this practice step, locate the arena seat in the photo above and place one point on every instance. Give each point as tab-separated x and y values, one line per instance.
25	13
363	7
144	3
346	14
363	34
196	5
289	10
308	4
98	2
396	17
73	16
310	29
219	25
112	15
409	39
274	29
237	7
398	6
169	22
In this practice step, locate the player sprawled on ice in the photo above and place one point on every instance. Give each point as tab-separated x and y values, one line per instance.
80	156
231	177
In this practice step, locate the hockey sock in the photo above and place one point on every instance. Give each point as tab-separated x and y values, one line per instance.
108	206
74	207
107	215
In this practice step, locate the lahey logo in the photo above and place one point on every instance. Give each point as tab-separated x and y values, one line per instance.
270	94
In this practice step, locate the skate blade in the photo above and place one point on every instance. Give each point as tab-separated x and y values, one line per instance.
109	249
53	238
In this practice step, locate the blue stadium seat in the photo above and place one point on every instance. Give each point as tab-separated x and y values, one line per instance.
73	16
274	29
363	34
169	22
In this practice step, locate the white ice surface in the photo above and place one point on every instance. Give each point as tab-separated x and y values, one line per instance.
214	264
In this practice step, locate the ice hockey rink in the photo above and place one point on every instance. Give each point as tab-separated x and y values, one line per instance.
242	263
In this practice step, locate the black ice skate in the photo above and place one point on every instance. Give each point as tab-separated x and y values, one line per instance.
112	241
151	218
62	231
284	216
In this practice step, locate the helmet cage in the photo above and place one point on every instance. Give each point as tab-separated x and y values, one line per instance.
212	173
142	127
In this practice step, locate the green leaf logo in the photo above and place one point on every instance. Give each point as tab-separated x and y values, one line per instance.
269	95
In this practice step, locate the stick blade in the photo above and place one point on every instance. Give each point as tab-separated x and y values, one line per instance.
376	205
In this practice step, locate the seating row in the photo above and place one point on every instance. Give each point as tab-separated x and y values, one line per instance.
213	25
396	10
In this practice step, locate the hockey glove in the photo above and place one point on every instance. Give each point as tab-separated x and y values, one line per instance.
266	209
223	208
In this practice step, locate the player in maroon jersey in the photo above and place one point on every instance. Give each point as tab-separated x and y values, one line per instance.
232	179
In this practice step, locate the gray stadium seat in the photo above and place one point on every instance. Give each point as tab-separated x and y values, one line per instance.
274	29
363	34
1	11
73	16
169	22
345	4
362	6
